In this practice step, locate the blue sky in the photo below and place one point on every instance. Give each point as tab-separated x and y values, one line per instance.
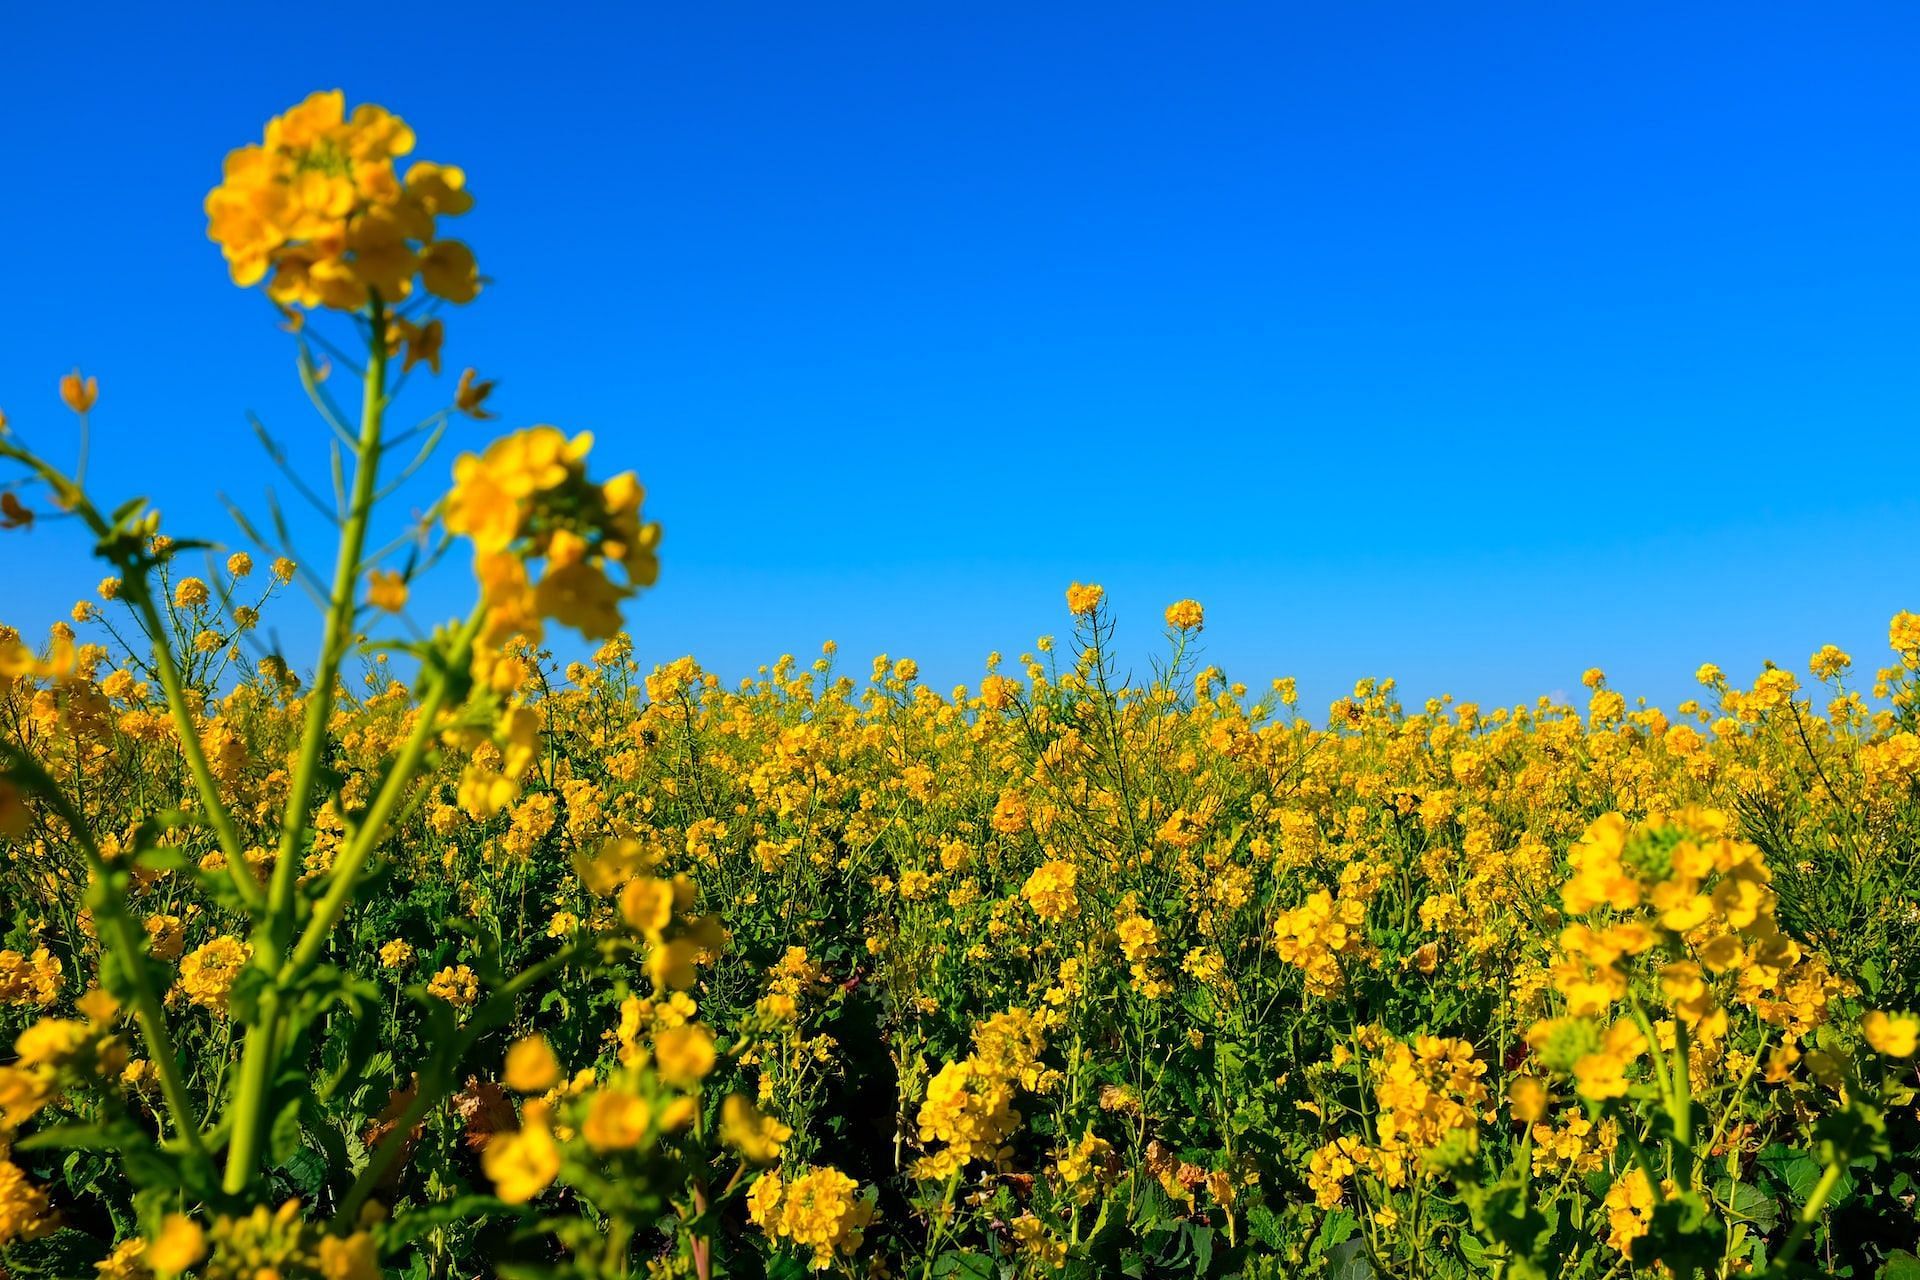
1472	344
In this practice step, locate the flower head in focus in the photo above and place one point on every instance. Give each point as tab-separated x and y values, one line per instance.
319	210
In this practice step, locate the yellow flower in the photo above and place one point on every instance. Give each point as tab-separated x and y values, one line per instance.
1184	615
24	979
1829	662
579	596
1602	1074
387	590
1903	632
531	1066
458	985
683	1054
525	1162
820	1210
647	905
756	1136
449	271
354	1257
207	974
126	1262
180	1244
1082	600
616	1120
1050	889
25	1213
318	204
1896	1035
1528	1099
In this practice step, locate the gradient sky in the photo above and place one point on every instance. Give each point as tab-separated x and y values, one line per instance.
1473	344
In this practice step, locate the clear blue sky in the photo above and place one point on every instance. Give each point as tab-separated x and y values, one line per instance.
1469	343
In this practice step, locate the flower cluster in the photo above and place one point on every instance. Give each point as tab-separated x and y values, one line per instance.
1680	904
526	499
969	1103
574	1127
1320	934
819	1210
768	900
285	1243
1050	889
29	980
52	1056
320	204
1429	1096
208	972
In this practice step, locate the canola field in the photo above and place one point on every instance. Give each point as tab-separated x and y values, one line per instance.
445	957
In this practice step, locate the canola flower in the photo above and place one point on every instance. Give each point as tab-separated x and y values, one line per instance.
997	930
1062	969
320	210
819	1210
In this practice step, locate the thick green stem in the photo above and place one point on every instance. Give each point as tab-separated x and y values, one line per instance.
333	646
263	1043
1680	1107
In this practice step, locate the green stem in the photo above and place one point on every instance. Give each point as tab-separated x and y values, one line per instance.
339	629
1680	1108
1739	1095
209	788
257	1059
352	859
263	1043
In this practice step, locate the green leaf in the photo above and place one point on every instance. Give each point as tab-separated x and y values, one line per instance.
60	1256
956	1264
1749	1203
1798	1171
284	1138
1265	1226
81	1137
1900	1265
1349	1262
416	1224
1200	1241
164	857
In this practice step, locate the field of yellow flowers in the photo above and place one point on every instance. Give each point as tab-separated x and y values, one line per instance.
608	968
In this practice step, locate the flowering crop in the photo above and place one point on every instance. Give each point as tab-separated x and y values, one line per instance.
605	968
